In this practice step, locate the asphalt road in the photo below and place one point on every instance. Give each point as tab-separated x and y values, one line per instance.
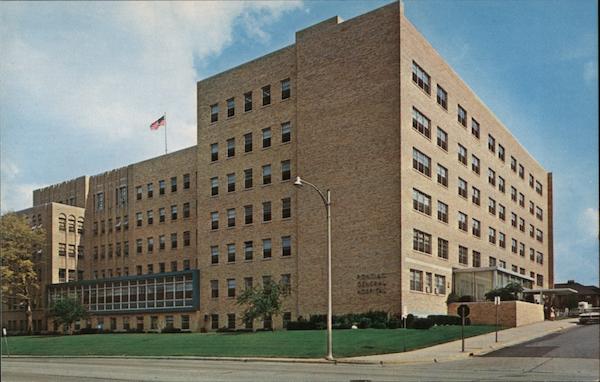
557	363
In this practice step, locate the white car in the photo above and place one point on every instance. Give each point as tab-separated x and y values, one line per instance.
589	316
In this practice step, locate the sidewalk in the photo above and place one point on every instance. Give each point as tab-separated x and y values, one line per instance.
474	346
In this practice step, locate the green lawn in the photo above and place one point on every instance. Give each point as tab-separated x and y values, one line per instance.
298	344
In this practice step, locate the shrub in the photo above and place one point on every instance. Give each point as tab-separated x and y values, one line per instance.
364	323
171	330
88	331
442	319
422	323
465	298
452	297
410	318
301	325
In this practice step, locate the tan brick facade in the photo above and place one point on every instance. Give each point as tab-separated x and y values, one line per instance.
340	115
510	313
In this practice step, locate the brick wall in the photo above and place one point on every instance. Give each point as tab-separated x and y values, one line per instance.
510	313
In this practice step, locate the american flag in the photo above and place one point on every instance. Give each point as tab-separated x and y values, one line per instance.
162	121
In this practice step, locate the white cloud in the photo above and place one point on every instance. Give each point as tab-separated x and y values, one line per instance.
590	72
588	221
19	197
107	70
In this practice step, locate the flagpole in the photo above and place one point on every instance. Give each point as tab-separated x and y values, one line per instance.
165	132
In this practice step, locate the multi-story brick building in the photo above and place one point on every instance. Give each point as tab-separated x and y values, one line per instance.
427	187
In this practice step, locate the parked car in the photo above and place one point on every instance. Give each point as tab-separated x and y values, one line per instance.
589	316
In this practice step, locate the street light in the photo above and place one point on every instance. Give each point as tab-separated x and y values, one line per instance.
327	201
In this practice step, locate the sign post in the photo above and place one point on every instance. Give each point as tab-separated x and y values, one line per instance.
5	341
497	303
463	311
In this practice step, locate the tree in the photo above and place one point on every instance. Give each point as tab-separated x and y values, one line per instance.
18	243
509	292
263	303
66	311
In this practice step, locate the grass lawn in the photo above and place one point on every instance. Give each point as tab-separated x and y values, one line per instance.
297	344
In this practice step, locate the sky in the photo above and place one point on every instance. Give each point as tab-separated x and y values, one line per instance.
80	82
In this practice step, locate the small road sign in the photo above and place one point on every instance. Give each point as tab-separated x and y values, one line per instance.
463	311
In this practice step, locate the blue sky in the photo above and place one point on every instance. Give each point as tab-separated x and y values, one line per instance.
94	75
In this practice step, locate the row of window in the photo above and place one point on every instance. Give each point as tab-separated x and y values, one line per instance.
423	242
231	321
422	79
128	322
285	283
247	139
73	274
248	250
72	250
106	251
420	284
161	268
266	178
73	223
286	212
162	187
286	92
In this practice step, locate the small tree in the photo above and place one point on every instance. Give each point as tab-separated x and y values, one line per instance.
18	243
263	303
66	311
509	292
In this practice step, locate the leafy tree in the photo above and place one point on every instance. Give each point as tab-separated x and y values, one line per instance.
263	303
509	292
18	242
66	311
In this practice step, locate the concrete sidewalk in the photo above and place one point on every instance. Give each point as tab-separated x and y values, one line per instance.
474	346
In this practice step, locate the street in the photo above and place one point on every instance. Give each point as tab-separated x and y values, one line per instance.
571	355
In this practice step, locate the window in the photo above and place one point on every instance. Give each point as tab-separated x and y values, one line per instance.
502	264
463	255
150	244
538	187
491	206
492	235
501	184
266	245
248	101
492	261
231	253
462	116
476	198
100	201
539	235
463	221
138	247
186	181
286	246
421	241
62	223
540	280
462	188
421	202
230	147
428	282
531	207
248	283
214	254
443	248
248	142
539	258
266	211
462	154
286	208
214	152
442	139
440	284
421	123
266	174
513	245
248	250
62	249
501	212
531	230
161	215
286	132
491	143
514	268
286	170
214	220
231	217
416	280
521	199
230	182
150	217
126	248
231	290
230	107
214	290
138	219
421	78
174	212
138	193
161	242
476	228
475	164
502	240
286	89
475	130
185	322
442	97
476	259
214	112
161	187
513	164
491	176
248	181
539	213
421	162
521	171
442	212
186	210
248	214
150	190
266	138
174	184
266	95
501	152
513	194
521	224
442	175
174	241
521	249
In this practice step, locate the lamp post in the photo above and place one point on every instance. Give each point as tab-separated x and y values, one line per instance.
327	201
